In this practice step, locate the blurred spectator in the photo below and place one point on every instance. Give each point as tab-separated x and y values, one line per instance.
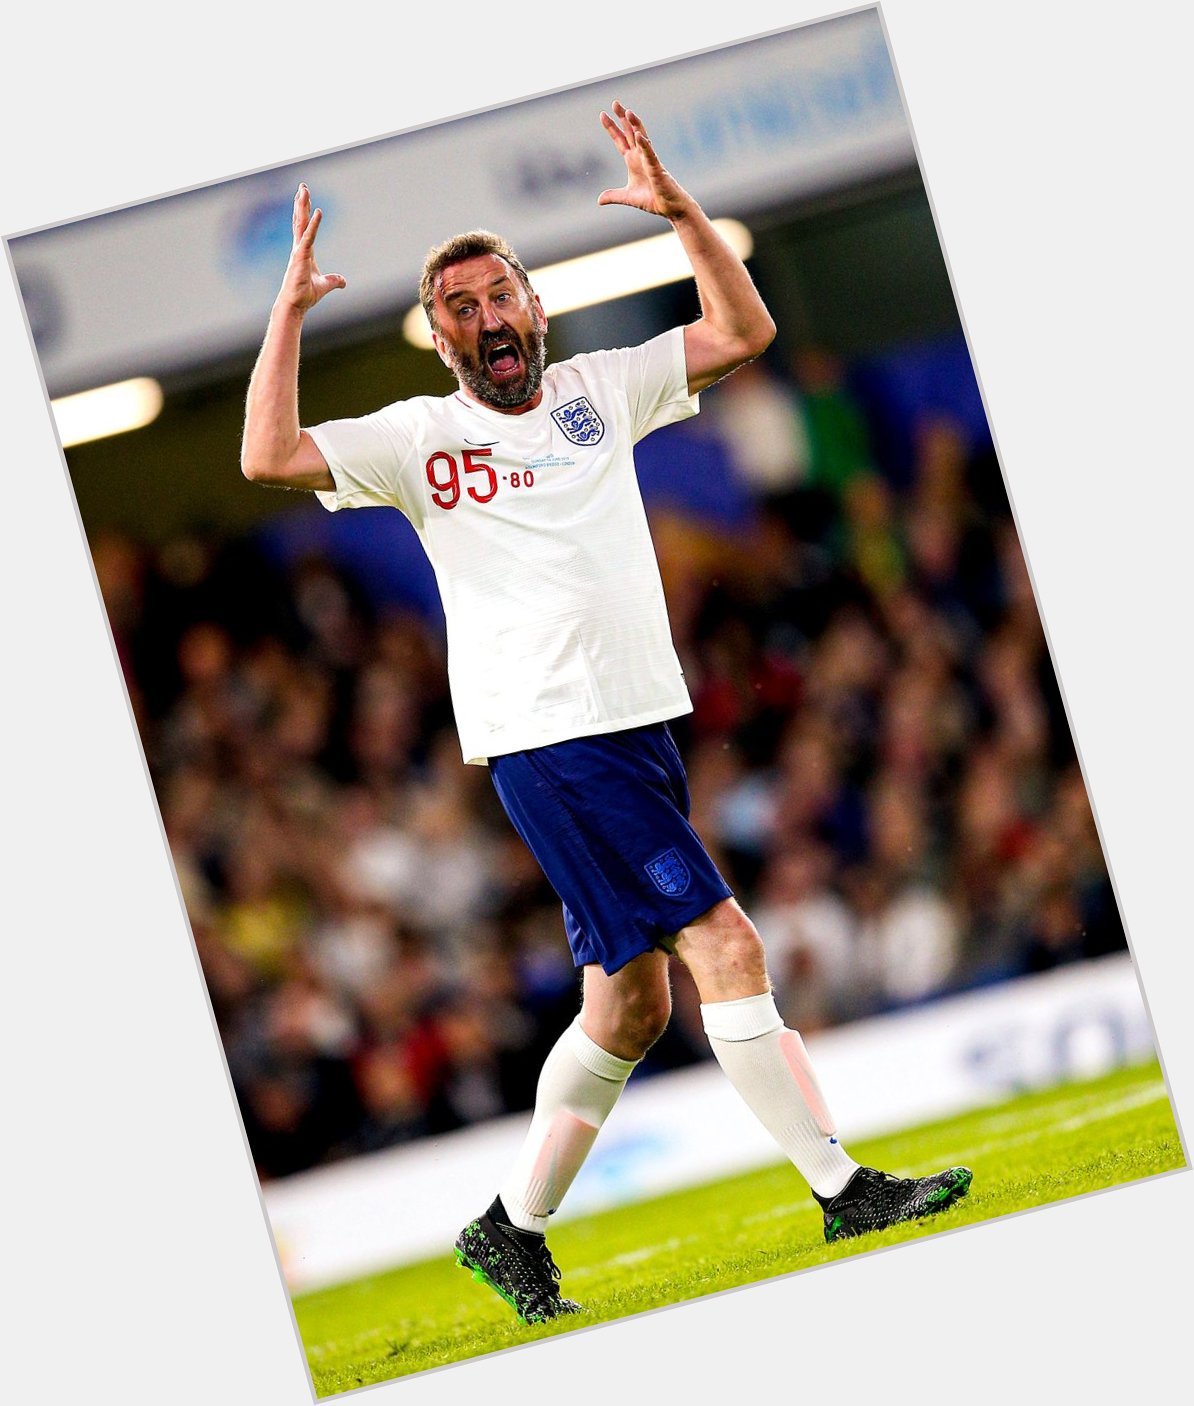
811	938
761	418
871	546
908	938
837	429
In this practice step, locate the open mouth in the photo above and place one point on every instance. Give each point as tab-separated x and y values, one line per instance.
503	360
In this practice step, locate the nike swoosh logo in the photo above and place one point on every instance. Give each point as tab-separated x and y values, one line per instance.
482	443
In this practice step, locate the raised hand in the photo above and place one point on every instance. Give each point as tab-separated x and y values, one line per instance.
304	285
648	185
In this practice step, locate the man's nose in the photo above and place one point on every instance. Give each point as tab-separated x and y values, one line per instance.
490	318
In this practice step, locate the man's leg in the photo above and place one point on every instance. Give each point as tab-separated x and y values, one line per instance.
765	1062
621	1017
770	1068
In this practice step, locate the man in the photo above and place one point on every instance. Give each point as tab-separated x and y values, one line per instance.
521	486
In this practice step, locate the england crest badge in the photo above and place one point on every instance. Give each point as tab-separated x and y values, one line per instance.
579	421
669	873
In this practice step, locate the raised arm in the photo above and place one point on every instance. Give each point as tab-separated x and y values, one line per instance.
273	448
734	326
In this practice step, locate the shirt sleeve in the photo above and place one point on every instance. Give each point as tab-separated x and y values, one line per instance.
653	377
366	458
657	383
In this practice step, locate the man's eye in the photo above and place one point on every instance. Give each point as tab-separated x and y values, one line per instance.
502	298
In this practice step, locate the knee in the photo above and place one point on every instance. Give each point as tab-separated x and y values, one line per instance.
742	957
629	1027
643	1019
725	954
732	936
647	1018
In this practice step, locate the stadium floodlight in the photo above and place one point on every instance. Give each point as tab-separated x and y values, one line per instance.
107	410
604	275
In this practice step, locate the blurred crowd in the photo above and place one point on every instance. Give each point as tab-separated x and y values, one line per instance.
878	757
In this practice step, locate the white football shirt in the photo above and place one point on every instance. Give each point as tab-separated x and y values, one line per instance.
536	530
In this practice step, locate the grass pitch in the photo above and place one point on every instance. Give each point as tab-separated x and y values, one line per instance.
1035	1149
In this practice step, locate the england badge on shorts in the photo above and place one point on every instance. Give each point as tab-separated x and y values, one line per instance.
669	873
579	421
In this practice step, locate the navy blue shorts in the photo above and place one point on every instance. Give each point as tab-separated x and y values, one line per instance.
607	819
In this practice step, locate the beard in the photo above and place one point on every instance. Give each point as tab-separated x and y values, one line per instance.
473	372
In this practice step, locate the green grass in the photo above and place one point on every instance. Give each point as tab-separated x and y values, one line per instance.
1035	1149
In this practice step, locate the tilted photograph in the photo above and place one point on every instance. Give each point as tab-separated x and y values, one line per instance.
603	730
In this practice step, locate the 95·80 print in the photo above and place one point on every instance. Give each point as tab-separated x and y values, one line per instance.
444	476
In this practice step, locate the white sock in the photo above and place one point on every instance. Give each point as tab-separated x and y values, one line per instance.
579	1084
770	1068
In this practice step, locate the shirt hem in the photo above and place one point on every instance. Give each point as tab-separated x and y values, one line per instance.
549	739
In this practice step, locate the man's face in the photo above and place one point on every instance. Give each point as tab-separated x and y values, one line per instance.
491	331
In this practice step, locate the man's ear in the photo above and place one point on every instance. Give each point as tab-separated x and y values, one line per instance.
542	314
438	342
